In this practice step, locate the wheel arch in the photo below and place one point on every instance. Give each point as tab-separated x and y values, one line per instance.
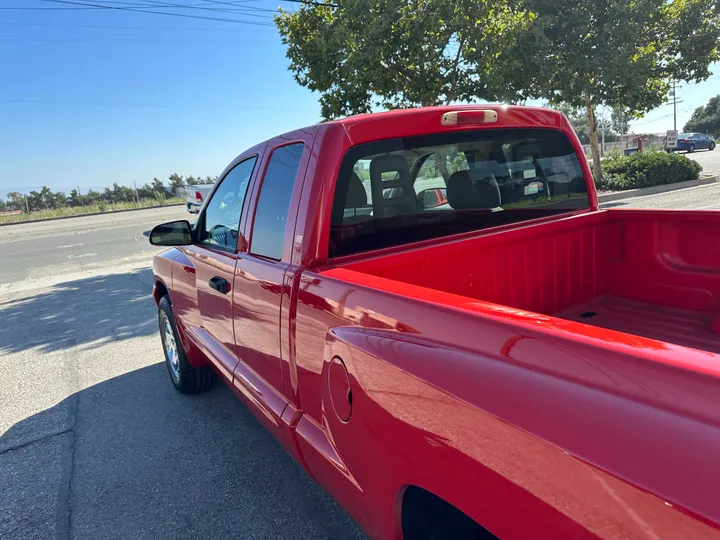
419	511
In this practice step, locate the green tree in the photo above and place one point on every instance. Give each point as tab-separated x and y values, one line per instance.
615	53
620	119
158	187
46	199
60	200
122	193
93	197
16	201
33	201
395	53
706	119
577	119
146	192
75	199
176	182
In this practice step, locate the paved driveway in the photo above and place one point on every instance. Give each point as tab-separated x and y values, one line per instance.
95	443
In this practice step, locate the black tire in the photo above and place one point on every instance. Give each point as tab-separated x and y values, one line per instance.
187	379
691	149
712	146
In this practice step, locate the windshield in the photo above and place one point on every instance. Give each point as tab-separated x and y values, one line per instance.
405	190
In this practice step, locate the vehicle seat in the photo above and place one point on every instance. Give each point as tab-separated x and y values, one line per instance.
402	200
350	194
527	168
464	193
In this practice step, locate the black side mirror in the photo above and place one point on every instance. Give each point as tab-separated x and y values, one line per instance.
430	198
173	233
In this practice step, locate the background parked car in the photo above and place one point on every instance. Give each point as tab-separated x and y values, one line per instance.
196	196
690	142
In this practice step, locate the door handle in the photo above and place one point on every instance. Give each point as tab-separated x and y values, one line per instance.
221	285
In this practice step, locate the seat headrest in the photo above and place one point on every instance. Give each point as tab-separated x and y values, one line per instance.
463	193
390	162
349	193
356	194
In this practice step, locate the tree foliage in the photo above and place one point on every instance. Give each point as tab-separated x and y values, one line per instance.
394	53
620	119
579	121
615	53
706	119
585	53
46	199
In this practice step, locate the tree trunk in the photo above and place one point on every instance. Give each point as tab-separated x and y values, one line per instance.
594	146
442	165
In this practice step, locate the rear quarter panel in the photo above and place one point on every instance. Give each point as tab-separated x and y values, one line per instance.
533	430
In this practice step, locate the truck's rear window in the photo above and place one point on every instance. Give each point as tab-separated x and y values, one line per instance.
399	191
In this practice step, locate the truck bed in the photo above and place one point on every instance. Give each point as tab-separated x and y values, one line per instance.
673	325
648	273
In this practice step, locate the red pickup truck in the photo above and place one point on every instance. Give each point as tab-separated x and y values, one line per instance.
430	313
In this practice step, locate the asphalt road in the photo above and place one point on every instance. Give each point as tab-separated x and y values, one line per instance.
94	440
706	197
709	160
32	251
95	443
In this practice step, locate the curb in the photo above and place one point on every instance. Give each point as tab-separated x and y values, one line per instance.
91	214
630	193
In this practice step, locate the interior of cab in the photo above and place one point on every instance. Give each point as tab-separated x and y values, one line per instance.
411	184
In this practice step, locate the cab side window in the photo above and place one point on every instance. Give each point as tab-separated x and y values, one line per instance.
222	215
273	207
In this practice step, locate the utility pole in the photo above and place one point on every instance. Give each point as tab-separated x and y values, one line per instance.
674	107
81	198
137	197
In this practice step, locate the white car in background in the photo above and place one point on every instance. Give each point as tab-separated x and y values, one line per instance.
196	195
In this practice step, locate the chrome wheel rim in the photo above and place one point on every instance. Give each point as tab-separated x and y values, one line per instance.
171	350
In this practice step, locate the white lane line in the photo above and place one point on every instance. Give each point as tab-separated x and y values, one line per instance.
81	256
68	246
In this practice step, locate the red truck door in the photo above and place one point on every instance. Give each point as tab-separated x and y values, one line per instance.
259	278
214	257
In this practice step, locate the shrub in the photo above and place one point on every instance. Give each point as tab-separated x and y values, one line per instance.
647	169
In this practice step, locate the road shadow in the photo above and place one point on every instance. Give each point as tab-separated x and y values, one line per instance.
92	311
146	462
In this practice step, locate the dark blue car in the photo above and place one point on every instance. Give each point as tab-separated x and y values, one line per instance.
690	142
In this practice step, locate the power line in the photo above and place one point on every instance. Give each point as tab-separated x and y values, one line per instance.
244	4
311	3
22	8
139	10
204	7
81	39
227	7
119	27
224	107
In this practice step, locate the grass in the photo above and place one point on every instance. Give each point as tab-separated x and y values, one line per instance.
88	209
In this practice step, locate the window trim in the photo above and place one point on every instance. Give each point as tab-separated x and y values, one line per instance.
257	191
200	224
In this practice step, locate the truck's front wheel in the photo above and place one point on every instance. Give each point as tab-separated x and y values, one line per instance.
187	379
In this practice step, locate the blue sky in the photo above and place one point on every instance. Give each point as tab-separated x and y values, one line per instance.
93	96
